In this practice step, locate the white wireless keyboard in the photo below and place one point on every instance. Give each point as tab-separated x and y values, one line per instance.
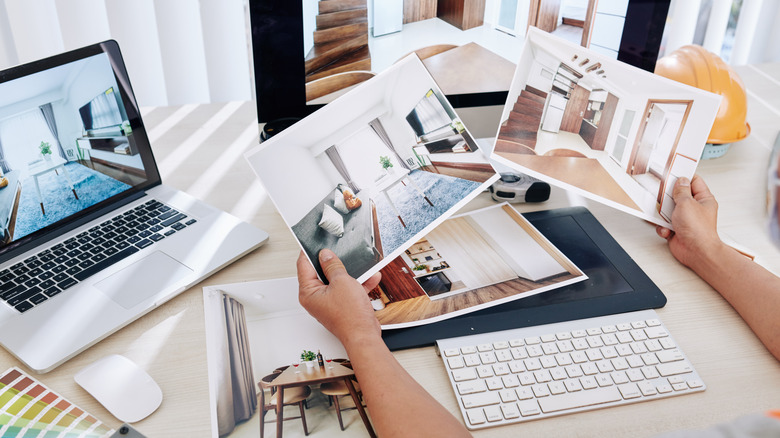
538	372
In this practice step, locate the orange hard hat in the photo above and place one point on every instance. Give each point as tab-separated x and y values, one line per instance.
695	66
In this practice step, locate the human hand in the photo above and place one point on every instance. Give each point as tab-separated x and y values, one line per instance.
343	305
695	218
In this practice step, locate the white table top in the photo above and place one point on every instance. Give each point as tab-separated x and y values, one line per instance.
200	151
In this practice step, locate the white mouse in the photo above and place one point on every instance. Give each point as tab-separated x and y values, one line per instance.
120	385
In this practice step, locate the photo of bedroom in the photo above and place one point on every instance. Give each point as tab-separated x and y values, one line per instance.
65	145
469	262
578	119
370	173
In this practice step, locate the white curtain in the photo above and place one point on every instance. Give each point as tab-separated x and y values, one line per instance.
21	136
432	114
177	51
105	110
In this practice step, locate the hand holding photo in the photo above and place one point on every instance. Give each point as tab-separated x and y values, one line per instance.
373	171
601	128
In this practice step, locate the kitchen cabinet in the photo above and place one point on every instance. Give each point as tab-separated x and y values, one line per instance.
596	131
575	110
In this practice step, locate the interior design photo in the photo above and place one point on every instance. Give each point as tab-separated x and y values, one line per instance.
469	262
245	364
370	173
64	145
578	118
346	43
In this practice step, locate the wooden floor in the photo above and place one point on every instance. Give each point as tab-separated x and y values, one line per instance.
584	173
419	308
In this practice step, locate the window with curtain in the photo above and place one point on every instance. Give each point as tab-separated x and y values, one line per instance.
428	115
104	110
21	136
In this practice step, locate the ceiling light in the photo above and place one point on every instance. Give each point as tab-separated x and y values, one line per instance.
584	61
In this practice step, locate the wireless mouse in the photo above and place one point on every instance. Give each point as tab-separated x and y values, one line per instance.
122	387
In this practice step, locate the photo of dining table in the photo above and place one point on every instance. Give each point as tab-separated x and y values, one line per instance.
293	377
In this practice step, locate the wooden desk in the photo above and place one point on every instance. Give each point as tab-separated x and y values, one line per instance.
292	377
169	343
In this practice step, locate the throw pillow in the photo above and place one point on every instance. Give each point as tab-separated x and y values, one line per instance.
338	202
331	221
351	200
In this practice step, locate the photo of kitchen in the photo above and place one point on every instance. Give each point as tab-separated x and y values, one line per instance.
469	262
578	119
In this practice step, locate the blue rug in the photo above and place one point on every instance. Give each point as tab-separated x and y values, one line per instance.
58	200
443	191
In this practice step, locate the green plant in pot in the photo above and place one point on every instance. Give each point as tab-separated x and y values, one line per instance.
309	358
385	162
45	148
421	267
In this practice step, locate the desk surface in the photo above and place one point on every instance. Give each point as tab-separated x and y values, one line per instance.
200	149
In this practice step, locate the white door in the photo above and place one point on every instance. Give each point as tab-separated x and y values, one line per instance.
512	16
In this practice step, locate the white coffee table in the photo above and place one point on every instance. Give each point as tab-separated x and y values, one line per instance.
389	181
44	166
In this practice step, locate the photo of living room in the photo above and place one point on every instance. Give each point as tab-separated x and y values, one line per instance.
65	145
469	262
578	119
370	173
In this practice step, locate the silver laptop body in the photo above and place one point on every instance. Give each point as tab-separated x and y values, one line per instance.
51	324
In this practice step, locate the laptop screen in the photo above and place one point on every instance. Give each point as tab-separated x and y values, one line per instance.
72	145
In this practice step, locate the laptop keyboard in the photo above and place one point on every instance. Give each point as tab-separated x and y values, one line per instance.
36	279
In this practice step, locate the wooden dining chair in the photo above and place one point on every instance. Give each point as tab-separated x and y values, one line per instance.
334	390
292	396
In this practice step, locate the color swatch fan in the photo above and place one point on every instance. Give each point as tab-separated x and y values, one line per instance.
30	409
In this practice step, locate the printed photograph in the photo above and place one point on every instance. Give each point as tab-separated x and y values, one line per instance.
472	49
372	172
469	262
65	144
247	365
580	120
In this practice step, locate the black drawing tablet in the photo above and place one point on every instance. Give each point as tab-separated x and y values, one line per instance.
615	284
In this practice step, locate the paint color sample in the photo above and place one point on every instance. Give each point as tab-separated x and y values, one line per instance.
30	409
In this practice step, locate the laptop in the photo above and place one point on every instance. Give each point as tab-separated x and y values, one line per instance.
91	238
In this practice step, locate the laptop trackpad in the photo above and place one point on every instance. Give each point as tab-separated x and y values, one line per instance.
143	279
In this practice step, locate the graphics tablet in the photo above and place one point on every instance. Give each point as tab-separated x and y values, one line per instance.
615	284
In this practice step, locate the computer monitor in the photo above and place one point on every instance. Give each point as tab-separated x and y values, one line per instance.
302	44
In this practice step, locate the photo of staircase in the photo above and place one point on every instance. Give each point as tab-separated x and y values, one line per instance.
518	133
340	47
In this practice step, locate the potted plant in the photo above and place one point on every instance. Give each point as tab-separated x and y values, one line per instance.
384	160
421	267
376	299
309	358
45	148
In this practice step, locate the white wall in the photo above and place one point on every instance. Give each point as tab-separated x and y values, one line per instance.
176	51
295	179
516	247
310	12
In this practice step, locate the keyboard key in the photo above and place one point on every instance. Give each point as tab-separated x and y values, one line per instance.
510	411
475	416
471	387
493	414
38	298
190	222
480	399
52	291
19	298
464	374
24	306
67	283
629	391
670	369
579	399
143	243
105	263
528	408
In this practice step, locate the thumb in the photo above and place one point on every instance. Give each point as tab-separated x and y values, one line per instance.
682	190
332	267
